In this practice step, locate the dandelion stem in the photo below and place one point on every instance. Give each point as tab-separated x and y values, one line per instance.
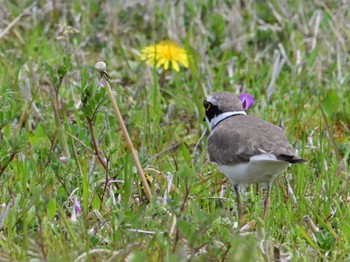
127	137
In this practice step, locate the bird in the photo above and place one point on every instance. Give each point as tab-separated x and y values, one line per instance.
246	149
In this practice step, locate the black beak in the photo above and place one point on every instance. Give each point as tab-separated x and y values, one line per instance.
204	119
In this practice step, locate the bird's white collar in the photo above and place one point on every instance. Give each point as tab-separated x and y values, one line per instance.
216	120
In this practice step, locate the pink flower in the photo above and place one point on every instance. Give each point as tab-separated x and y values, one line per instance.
247	101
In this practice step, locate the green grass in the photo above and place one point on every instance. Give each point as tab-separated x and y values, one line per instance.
310	94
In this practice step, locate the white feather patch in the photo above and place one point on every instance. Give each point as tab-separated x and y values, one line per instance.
212	100
261	168
223	116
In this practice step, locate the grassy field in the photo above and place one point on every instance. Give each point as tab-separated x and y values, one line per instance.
70	190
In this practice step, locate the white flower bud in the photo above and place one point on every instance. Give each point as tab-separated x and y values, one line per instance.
100	66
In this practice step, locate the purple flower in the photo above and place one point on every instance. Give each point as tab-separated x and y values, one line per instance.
77	207
102	83
247	101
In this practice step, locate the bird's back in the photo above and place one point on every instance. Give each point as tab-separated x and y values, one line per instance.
238	140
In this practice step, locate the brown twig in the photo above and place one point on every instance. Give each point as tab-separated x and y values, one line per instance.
183	205
2	169
94	142
16	20
97	152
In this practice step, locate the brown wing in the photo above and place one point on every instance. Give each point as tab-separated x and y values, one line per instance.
235	140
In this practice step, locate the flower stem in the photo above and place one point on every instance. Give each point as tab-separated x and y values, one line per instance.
127	137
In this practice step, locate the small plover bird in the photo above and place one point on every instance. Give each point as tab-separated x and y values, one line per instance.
248	150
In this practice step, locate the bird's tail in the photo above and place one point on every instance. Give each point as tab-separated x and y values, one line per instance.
291	159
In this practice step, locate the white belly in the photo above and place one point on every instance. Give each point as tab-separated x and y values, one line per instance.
261	169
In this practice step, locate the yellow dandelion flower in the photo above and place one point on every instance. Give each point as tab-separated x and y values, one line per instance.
167	54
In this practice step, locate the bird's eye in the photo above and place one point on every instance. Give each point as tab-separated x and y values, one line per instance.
206	105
